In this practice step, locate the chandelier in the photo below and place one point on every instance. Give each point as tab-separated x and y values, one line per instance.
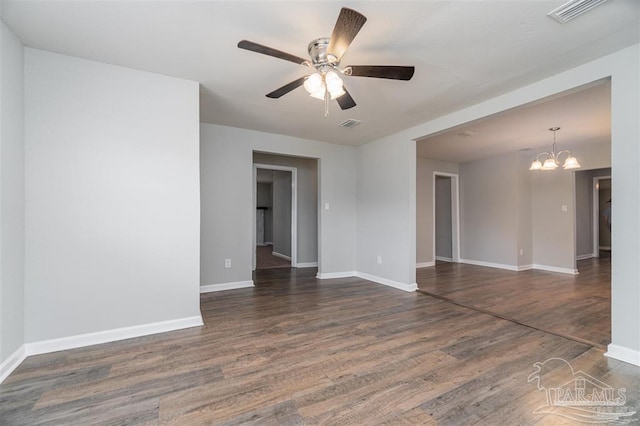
551	160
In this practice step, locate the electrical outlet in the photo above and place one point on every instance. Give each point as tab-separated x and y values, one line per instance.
521	252
379	260
227	263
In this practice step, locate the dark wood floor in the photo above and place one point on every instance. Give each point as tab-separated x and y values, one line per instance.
296	350
577	306
266	260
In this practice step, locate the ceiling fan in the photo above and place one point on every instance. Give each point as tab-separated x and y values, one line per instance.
325	82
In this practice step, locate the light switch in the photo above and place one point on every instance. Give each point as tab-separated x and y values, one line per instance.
564	207
326	206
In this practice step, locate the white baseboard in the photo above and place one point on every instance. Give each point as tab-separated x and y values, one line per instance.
584	256
521	267
332	275
282	256
307	265
226	286
11	363
623	354
490	264
81	340
379	280
425	264
444	259
555	269
387	282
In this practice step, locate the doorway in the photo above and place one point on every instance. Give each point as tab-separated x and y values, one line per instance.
275	216
602	216
446	214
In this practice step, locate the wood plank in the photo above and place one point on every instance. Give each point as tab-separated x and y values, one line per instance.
297	350
576	306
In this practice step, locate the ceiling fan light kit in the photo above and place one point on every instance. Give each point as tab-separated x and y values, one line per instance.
325	83
318	84
551	160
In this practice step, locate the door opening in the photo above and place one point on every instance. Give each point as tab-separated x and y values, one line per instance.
446	217
275	215
601	215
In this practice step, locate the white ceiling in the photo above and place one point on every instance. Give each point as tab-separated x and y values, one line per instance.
464	52
583	115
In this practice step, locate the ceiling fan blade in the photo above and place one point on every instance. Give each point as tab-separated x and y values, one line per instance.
259	48
286	88
382	71
346	101
347	27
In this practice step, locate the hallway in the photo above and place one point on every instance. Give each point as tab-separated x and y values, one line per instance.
266	260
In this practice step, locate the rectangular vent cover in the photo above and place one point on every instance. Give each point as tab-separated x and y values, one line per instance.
350	123
573	9
467	134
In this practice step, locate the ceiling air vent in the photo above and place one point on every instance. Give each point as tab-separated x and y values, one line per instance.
466	134
350	123
573	9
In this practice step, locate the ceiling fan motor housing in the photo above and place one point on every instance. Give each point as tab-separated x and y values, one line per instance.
319	55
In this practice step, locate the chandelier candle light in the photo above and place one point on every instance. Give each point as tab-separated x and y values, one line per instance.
551	160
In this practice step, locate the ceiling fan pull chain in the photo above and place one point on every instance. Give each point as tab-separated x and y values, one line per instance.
326	103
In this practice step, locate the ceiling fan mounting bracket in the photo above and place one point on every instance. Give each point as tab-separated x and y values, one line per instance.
319	56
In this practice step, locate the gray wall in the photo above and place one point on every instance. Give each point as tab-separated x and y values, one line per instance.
264	195
387	209
226	167
624	68
443	217
489	210
112	197
553	228
11	194
555	233
282	212
524	212
307	170
424	205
